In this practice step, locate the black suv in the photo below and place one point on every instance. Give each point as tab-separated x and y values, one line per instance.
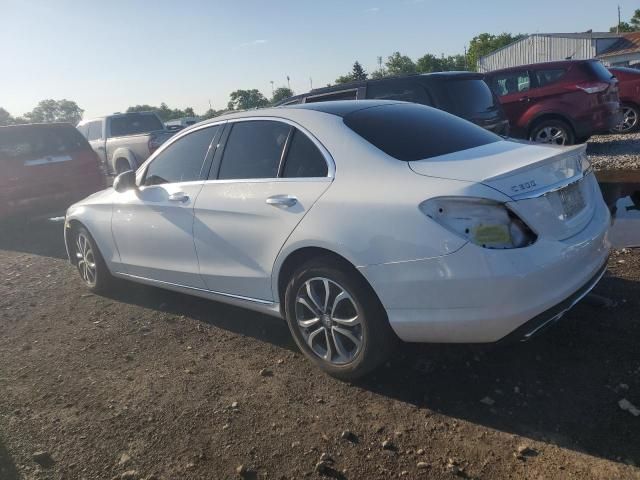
464	94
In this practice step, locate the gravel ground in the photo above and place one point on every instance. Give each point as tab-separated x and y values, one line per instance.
614	152
146	384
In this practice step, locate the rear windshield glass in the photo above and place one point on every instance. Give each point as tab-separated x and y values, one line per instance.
599	71
35	141
414	132
464	97
134	124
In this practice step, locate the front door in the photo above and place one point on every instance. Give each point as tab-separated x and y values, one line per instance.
270	175
153	226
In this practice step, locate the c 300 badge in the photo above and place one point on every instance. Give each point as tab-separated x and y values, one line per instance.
521	187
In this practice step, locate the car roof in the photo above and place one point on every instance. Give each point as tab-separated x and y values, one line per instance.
38	125
340	108
538	66
396	78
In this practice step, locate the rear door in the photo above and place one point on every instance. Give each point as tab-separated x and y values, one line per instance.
514	88
153	227
268	176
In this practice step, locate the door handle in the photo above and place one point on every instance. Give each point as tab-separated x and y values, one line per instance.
179	197
282	201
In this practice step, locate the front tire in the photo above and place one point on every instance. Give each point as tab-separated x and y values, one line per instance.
553	131
336	319
630	119
89	262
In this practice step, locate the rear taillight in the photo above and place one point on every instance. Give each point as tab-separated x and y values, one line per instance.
593	87
154	142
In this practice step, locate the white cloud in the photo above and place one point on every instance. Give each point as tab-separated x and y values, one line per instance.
252	43
373	10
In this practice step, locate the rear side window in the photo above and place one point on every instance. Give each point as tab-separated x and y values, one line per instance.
599	71
39	141
411	132
132	124
182	160
343	95
548	77
464	97
254	150
304	159
395	90
94	130
511	82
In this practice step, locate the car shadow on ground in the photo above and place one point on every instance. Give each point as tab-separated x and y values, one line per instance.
562	387
37	237
8	469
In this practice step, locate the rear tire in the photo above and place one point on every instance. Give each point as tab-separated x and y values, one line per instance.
552	131
336	319
89	262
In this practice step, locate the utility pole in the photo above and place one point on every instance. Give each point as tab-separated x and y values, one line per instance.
310	83
465	58
272	91
618	27
288	82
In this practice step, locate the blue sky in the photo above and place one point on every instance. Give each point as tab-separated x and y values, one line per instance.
107	55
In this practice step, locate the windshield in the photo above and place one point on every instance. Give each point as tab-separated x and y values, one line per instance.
599	70
132	124
411	132
34	141
464	97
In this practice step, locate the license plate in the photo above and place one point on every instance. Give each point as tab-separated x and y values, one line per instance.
572	200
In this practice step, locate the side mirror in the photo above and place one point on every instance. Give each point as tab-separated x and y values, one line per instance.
125	181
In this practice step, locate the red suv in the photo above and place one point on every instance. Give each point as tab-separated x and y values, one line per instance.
44	168
558	102
629	84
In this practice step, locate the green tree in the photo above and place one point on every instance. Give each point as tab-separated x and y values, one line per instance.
430	63
5	118
163	111
211	113
281	93
398	64
485	43
632	26
246	99
50	110
356	73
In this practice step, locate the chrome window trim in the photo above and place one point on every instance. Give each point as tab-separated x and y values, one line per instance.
331	166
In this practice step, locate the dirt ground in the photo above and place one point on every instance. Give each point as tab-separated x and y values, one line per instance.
149	384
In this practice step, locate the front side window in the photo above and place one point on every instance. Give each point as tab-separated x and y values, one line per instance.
398	90
254	149
304	159
182	160
94	130
512	82
547	77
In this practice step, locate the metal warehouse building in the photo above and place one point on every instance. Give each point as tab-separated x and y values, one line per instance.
550	47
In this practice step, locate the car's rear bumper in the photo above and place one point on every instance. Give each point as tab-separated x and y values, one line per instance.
41	206
476	295
600	119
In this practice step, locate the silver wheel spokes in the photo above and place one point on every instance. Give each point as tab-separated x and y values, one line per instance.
553	135
629	119
86	260
329	320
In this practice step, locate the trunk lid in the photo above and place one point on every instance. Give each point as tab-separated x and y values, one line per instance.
546	184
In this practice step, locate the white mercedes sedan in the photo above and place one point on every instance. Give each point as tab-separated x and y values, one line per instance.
357	222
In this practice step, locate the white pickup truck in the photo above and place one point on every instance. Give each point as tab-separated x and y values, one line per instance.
124	140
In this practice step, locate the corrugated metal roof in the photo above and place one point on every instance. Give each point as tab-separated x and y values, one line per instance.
629	43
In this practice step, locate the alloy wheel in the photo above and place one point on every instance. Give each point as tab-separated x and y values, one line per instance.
629	120
86	259
329	320
551	134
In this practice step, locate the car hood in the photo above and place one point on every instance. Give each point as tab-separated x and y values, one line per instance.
514	168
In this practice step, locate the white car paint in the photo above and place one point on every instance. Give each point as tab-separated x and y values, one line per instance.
226	243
